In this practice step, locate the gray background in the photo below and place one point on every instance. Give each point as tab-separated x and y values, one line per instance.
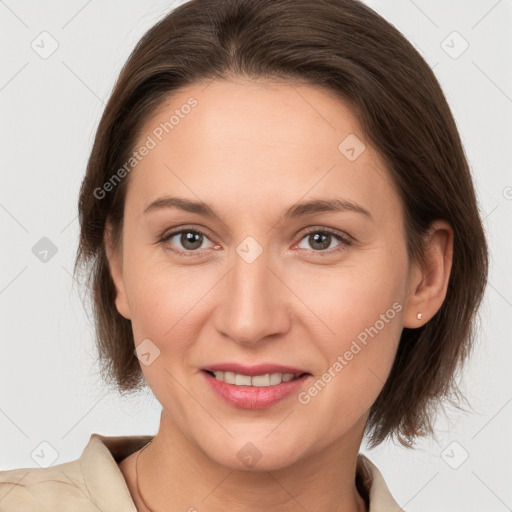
49	383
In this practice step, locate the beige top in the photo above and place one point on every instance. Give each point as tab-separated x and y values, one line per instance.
95	483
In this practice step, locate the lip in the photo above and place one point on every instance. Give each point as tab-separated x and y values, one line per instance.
254	397
259	369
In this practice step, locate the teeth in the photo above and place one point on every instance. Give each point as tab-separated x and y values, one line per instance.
268	379
242	380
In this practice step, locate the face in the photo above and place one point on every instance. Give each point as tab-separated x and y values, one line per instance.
320	290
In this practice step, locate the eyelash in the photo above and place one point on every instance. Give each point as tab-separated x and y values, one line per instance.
344	239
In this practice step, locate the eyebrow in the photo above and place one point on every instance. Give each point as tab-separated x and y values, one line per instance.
295	211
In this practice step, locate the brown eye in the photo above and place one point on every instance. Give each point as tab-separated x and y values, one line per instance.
186	241
322	240
191	240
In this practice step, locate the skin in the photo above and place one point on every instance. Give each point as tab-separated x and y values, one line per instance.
251	149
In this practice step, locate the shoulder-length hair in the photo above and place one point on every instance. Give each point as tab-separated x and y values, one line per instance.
344	47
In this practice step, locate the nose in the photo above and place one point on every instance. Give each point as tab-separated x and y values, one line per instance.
254	304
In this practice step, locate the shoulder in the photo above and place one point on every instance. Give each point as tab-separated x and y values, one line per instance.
40	489
90	483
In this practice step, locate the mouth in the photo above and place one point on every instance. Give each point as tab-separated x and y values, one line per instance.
261	381
256	391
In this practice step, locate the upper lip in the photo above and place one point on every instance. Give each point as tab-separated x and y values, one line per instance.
259	369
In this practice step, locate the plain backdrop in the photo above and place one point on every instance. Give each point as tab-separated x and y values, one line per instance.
50	390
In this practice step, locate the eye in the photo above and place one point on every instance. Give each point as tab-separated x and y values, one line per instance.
187	241
321	240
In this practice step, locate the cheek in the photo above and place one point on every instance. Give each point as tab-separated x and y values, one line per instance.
358	359
361	322
165	300
349	299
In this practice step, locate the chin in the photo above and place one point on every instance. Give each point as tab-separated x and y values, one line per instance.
254	453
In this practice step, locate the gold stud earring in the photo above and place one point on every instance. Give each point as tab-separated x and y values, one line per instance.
419	316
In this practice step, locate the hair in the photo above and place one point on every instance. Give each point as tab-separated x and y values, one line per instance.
344	47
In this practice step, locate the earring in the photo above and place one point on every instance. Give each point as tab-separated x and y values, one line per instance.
419	316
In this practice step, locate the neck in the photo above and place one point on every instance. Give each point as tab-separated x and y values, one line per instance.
324	481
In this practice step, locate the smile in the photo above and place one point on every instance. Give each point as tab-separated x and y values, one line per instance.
256	391
267	379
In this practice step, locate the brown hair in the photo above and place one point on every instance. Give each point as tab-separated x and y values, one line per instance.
347	48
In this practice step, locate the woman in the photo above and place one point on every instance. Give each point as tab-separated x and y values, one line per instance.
284	244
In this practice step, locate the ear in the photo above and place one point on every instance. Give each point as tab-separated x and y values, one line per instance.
114	258
428	282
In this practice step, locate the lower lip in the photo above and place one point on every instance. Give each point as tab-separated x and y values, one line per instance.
254	397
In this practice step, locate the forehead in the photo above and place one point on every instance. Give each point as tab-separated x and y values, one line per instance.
256	113
233	141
